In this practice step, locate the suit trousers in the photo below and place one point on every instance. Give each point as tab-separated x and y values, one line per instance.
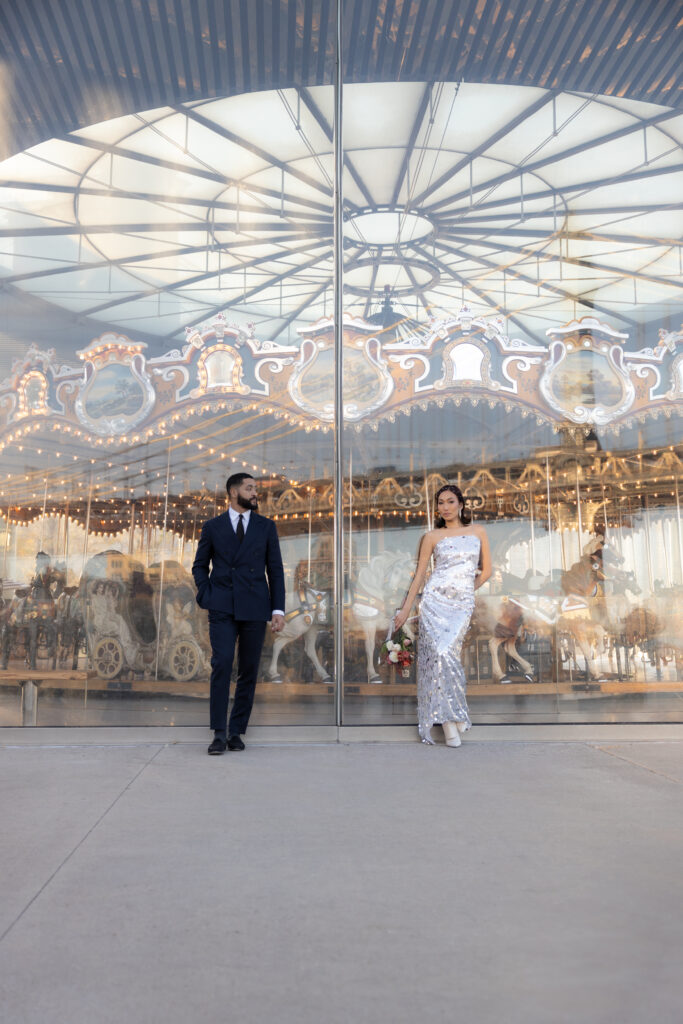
226	633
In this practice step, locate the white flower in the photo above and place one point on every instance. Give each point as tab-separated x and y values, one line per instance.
393	656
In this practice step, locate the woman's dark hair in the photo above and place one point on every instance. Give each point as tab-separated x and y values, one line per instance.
464	514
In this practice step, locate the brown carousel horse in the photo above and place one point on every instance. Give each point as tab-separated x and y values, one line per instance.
30	622
575	604
506	632
655	630
582	620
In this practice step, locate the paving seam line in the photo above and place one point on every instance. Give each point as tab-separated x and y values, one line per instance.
79	844
635	764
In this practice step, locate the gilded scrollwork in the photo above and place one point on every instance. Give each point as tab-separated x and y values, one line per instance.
585	375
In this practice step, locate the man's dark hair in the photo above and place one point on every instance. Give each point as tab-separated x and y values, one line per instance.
236	480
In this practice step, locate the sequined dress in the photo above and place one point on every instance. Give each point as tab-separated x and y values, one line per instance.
445	613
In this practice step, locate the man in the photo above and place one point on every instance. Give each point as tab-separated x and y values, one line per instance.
242	548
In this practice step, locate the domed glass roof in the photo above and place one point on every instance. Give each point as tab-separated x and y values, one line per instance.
519	201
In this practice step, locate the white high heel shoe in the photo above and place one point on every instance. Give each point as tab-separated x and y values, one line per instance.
462	726
450	731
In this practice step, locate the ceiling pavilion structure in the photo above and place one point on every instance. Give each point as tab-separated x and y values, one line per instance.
167	161
81	62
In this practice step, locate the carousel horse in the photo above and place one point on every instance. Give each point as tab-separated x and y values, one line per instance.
507	631
612	611
380	588
530	605
304	620
8	624
655	630
572	606
576	604
668	605
70	626
30	620
582	585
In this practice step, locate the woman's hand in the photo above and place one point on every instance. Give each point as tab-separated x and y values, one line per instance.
400	617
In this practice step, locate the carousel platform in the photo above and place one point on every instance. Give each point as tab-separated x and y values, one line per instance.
43	697
63	679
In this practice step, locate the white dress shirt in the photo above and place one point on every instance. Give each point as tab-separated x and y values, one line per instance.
234	519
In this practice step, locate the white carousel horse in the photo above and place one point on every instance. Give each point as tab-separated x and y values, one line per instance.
304	620
380	587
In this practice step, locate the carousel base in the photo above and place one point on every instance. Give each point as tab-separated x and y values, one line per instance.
64	679
35	697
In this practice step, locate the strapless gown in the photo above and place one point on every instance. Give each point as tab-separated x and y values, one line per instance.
445	614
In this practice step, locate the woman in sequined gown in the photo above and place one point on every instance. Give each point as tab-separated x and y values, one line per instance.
462	564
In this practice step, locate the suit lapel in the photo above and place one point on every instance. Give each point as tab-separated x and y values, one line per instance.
229	535
253	530
234	550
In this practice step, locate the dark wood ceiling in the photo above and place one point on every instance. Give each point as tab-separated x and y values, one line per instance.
65	64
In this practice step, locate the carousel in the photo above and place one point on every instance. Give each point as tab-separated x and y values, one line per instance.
568	450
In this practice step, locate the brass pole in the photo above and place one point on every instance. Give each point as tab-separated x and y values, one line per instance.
678	524
550	522
162	561
338	371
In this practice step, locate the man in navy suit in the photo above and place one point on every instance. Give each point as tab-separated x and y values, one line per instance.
242	548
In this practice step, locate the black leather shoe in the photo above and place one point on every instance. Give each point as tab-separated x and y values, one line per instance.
217	746
235	743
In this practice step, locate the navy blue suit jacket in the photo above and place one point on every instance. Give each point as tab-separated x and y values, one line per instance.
237	581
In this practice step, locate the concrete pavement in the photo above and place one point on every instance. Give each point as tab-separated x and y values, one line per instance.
367	882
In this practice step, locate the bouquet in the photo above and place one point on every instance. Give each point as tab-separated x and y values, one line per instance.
397	650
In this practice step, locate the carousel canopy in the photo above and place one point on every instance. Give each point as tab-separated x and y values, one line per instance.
449	395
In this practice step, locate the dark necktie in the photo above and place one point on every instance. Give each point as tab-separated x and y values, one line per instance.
240	529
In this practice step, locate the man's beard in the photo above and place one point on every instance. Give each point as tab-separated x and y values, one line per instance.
248	503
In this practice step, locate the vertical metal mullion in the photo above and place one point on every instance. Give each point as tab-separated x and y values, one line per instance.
338	370
162	560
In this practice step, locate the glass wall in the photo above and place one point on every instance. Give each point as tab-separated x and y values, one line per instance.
512	300
513	337
209	235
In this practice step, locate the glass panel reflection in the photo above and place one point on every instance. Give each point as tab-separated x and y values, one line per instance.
584	603
512	302
100	530
201	236
512	287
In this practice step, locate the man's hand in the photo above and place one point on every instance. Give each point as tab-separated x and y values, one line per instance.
277	623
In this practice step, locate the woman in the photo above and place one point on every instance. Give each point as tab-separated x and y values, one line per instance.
463	563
